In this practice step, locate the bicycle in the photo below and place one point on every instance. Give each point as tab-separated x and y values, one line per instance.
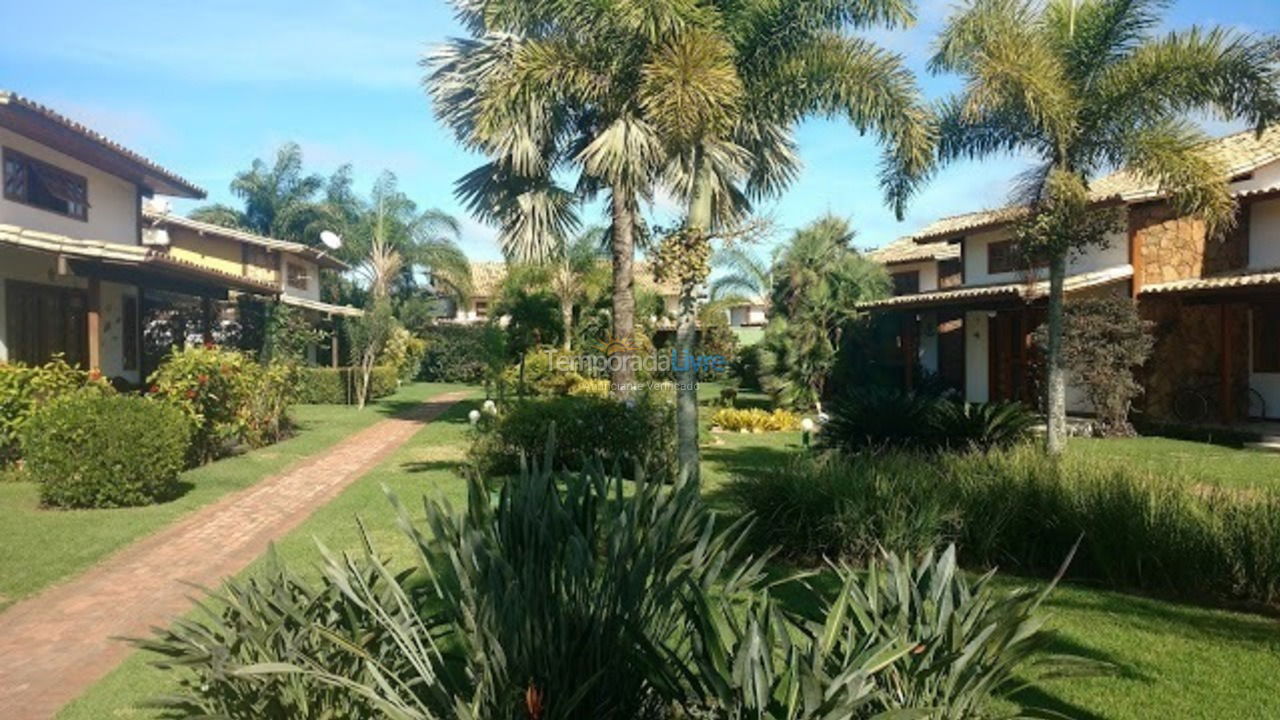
1195	403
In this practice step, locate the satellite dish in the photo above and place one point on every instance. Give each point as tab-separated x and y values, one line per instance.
331	239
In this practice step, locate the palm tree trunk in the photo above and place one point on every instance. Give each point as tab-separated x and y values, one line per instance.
699	221
623	376
566	316
1056	380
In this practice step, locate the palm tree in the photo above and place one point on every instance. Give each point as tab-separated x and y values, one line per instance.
389	239
726	97
575	277
544	89
280	200
819	281
1085	86
746	275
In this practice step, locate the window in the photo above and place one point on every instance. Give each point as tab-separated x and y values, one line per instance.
1001	257
39	184
296	276
1266	339
482	309
129	329
906	283
46	320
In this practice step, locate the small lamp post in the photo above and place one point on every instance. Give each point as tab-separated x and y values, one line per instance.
806	428
474	417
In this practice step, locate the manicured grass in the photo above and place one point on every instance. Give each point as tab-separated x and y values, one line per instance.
39	547
1199	462
1171	660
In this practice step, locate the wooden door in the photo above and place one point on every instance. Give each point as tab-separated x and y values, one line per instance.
46	320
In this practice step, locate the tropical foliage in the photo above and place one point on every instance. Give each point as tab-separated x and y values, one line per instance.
25	389
755	420
819	278
882	417
1085	86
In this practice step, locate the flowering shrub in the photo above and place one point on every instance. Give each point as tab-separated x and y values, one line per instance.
228	397
24	389
405	353
755	420
587	387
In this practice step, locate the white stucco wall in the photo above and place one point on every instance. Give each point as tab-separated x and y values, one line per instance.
313	277
1264	177
928	273
113	201
747	315
1115	253
1264	235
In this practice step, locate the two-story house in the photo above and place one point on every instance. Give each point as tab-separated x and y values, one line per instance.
72	262
1212	300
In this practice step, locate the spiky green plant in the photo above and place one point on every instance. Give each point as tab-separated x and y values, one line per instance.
1085	86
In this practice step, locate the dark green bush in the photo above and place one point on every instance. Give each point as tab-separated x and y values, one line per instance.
456	354
879	417
1023	511
336	386
94	451
585	426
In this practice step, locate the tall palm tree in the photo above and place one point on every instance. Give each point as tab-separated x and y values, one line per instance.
544	89
727	96
389	238
1086	86
280	199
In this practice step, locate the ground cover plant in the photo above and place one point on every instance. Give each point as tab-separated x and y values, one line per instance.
570	598
755	420
1022	511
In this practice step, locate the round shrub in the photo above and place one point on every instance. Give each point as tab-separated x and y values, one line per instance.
23	389
94	451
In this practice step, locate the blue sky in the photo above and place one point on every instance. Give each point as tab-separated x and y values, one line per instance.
205	87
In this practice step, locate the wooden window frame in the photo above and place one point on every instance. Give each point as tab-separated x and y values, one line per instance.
300	281
482	309
65	299
1006	253
903	286
23	198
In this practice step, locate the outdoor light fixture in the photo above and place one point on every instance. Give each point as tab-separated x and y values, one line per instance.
489	408
474	416
806	426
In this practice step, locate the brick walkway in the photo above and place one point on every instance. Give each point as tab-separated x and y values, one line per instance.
57	643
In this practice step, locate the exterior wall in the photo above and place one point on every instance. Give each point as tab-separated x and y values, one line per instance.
747	315
1113	254
1264	177
976	378
113	201
211	252
313	277
1176	248
1264	235
928	273
41	269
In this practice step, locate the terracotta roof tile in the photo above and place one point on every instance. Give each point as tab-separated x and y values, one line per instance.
905	250
245	236
1020	290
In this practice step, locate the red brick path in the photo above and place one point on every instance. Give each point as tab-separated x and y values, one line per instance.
57	643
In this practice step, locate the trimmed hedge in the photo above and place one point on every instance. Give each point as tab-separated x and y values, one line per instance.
585	427
95	451
456	354
336	386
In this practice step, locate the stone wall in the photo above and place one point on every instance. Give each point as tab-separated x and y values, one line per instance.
1188	351
1175	247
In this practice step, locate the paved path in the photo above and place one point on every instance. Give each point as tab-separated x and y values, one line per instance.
57	643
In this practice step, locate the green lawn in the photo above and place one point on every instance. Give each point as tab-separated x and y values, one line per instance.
1172	660
1200	462
38	547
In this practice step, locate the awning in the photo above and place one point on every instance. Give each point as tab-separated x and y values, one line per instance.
1013	292
132	264
322	307
1242	280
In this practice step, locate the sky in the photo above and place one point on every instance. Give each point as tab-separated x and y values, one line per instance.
203	88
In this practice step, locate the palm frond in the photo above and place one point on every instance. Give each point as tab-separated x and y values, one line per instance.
1170	153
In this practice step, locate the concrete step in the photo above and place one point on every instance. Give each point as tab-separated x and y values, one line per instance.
1270	445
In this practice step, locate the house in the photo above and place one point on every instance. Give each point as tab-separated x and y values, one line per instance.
85	253
486	286
1214	303
72	263
289	270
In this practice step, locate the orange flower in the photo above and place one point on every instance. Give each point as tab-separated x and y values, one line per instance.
191	394
202	379
95	374
533	702
155	389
